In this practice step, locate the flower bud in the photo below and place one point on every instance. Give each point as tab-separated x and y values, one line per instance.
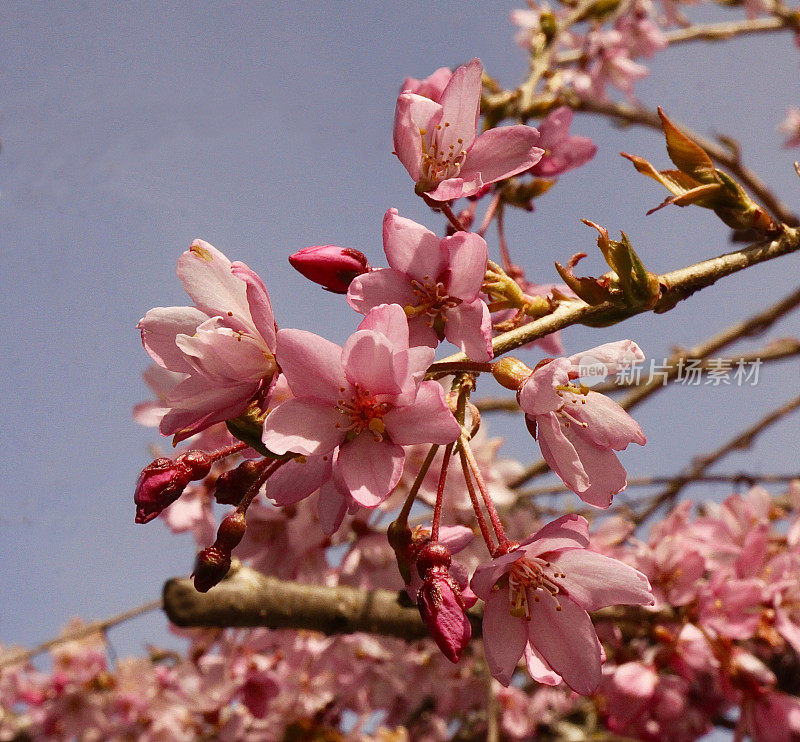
163	481
232	485
211	565
510	373
231	531
434	557
330	266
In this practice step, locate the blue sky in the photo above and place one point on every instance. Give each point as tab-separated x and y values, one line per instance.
130	129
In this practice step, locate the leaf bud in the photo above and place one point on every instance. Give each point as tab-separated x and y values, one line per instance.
510	373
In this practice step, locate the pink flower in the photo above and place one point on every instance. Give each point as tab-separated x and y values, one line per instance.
438	282
578	430
224	345
359	404
537	597
431	87
562	152
435	140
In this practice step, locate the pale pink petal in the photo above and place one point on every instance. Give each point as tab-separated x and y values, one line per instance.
224	355
420	333
468	254
502	152
368	360
159	328
381	286
606	475
197	402
304	426
567	532
560	453
298	478
411	366
469	326
504	636
562	632
609	425
206	276
390	321
486	575
411	248
555	127
594	581
453	188
538	669
431	87
311	364
258	301
538	394
331	507
428	420
456	538
369	469
614	356
412	113
460	102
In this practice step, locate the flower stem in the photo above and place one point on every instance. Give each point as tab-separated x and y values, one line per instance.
437	510
270	467
476	506
412	493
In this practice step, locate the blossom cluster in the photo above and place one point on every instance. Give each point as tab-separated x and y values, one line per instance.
723	635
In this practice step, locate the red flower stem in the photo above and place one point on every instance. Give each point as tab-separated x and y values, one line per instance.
497	524
412	493
270	467
489	215
451	217
437	510
476	506
229	451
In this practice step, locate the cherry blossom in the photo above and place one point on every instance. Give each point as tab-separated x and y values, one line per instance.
359	403
437	282
537	596
578	430
436	140
224	344
562	152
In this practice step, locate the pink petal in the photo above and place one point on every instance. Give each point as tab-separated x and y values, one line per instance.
502	152
258	302
609	425
456	538
468	254
560	454
412	113
224	355
298	478
453	188
562	632
447	623
606	475
486	575
538	395
305	426
311	364
567	532
594	581
382	286
368	360
206	276
555	127
369	469
538	669
460	102
411	248
331	507
504	636
159	328
390	321
614	356
428	420
469	326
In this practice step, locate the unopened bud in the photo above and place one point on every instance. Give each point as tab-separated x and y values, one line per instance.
232	485
332	267
231	531
434	557
510	373
210	567
163	481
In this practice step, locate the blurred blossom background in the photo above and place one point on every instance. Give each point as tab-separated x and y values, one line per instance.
130	129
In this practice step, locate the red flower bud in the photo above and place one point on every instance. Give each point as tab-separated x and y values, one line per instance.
163	481
211	565
442	609
433	558
330	266
231	531
232	485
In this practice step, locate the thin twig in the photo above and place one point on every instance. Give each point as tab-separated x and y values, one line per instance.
89	629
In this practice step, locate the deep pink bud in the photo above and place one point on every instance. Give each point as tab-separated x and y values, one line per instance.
442	609
163	481
330	266
232	485
211	565
433	558
231	531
